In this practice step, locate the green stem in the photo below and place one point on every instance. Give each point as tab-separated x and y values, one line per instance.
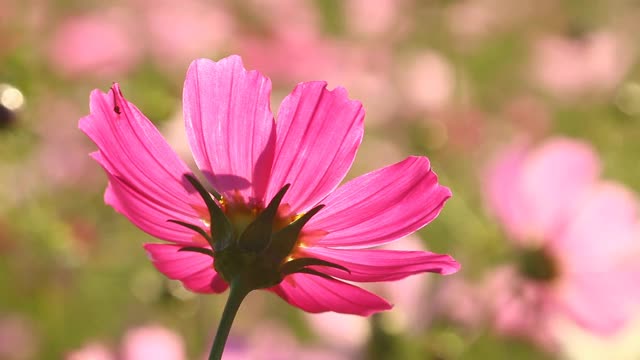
237	293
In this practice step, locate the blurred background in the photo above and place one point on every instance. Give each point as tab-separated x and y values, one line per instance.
506	97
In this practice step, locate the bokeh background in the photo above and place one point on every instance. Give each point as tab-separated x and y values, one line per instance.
457	81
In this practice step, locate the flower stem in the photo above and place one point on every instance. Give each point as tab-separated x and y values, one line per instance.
237	293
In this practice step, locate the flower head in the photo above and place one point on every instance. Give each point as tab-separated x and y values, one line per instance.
576	237
270	214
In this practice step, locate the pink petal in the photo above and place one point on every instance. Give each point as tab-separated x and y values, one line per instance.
230	126
146	173
553	180
599	303
531	192
152	342
501	189
146	213
193	269
316	294
379	207
381	265
602	235
318	134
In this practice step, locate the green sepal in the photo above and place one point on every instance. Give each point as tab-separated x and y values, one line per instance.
257	236
316	273
195	228
220	224
296	265
198	250
283	241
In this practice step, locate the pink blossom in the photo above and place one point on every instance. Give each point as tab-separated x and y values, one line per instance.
429	81
290	55
18	340
92	351
288	16
141	343
570	67
249	159
577	239
373	18
271	341
198	28
97	45
474	20
152	342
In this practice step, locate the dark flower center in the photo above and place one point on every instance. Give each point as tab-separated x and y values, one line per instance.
537	264
254	247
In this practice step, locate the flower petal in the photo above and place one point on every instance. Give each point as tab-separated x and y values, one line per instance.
597	302
379	207
316	294
145	173
146	213
318	134
552	181
381	265
602	236
501	190
230	126
194	270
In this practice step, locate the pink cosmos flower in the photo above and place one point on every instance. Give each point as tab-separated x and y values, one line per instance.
272	341
273	217
197	28
152	342
577	238
570	67
429	81
91	44
92	351
141	343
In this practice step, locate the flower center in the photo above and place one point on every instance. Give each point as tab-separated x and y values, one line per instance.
253	246
537	264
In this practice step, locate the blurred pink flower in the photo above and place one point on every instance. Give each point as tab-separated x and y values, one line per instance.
141	343
569	67
198	28
271	341
577	238
17	338
58	157
92	44
92	351
463	302
287	16
429	81
527	114
152	342
248	159
473	20
373	18
291	55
